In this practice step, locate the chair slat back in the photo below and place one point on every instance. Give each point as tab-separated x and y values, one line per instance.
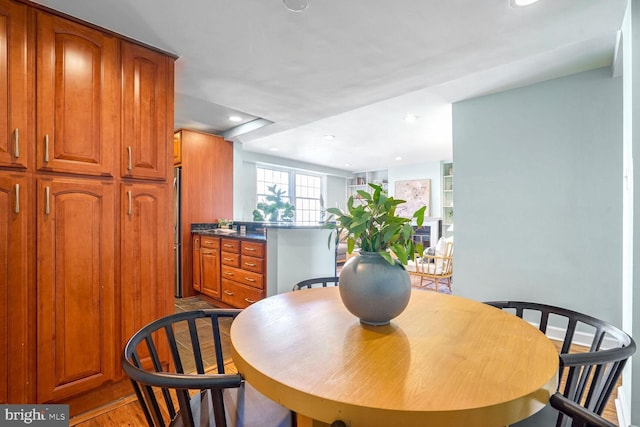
175	354
316	282
592	354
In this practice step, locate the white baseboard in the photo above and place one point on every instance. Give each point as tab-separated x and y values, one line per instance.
624	417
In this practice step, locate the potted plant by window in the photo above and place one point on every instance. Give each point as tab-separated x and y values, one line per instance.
275	208
374	285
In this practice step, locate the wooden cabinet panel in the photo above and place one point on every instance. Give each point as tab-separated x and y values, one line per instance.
254	249
145	246
15	254
77	97
230	259
16	98
210	263
242	276
145	109
76	334
231	245
252	264
240	296
197	275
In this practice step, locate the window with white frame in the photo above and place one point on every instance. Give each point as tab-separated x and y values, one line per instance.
302	190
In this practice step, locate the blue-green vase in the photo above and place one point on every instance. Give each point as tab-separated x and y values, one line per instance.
374	290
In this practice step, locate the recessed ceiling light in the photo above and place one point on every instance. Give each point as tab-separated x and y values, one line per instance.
296	5
274	149
410	118
522	3
347	164
329	137
235	118
398	158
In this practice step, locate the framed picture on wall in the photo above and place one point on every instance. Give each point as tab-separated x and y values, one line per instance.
417	193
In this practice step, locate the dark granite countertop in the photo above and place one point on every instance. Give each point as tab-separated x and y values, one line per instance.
254	230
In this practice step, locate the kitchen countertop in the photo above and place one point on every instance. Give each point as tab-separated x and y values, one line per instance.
255	230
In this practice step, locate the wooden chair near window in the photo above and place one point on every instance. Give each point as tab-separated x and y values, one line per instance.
436	269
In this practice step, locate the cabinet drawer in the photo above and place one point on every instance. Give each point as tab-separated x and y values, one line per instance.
241	276
209	242
230	259
252	249
238	295
252	264
231	245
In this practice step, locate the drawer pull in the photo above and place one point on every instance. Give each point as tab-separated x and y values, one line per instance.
228	273
250	264
249	279
207	253
229	293
208	242
250	301
227	245
130	211
249	249
228	259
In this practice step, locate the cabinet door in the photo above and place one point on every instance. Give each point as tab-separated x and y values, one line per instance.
75	276
210	284
15	86
15	253
196	263
146	139
78	97
146	256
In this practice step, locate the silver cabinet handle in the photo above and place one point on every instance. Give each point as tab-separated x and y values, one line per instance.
229	293
250	301
228	273
47	207
227	245
16	150
249	279
130	204
250	264
249	249
17	209
46	148
207	253
228	259
130	164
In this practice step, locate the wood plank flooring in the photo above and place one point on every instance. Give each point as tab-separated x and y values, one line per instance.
126	412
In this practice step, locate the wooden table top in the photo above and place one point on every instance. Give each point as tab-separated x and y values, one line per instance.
445	361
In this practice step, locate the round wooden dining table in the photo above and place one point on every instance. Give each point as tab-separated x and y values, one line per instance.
445	361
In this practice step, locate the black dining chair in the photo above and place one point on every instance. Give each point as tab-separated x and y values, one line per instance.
316	283
581	416
589	366
178	368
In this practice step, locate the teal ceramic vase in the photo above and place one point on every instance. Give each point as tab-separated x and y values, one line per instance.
374	290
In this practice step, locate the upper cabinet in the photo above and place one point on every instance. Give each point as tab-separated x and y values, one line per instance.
146	105
15	86
77	101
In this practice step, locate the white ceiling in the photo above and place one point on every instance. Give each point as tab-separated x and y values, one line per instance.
355	68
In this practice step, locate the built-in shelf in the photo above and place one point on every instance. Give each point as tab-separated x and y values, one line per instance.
447	198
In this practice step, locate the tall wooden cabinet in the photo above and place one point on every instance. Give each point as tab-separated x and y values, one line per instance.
75	292
102	266
207	189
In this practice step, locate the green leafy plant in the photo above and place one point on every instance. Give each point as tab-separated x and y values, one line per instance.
275	208
373	225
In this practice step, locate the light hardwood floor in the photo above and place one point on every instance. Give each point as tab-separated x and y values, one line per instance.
127	412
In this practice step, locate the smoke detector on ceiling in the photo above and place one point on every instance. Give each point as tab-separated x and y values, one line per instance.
296	5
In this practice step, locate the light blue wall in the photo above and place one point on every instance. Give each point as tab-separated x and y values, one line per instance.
538	195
